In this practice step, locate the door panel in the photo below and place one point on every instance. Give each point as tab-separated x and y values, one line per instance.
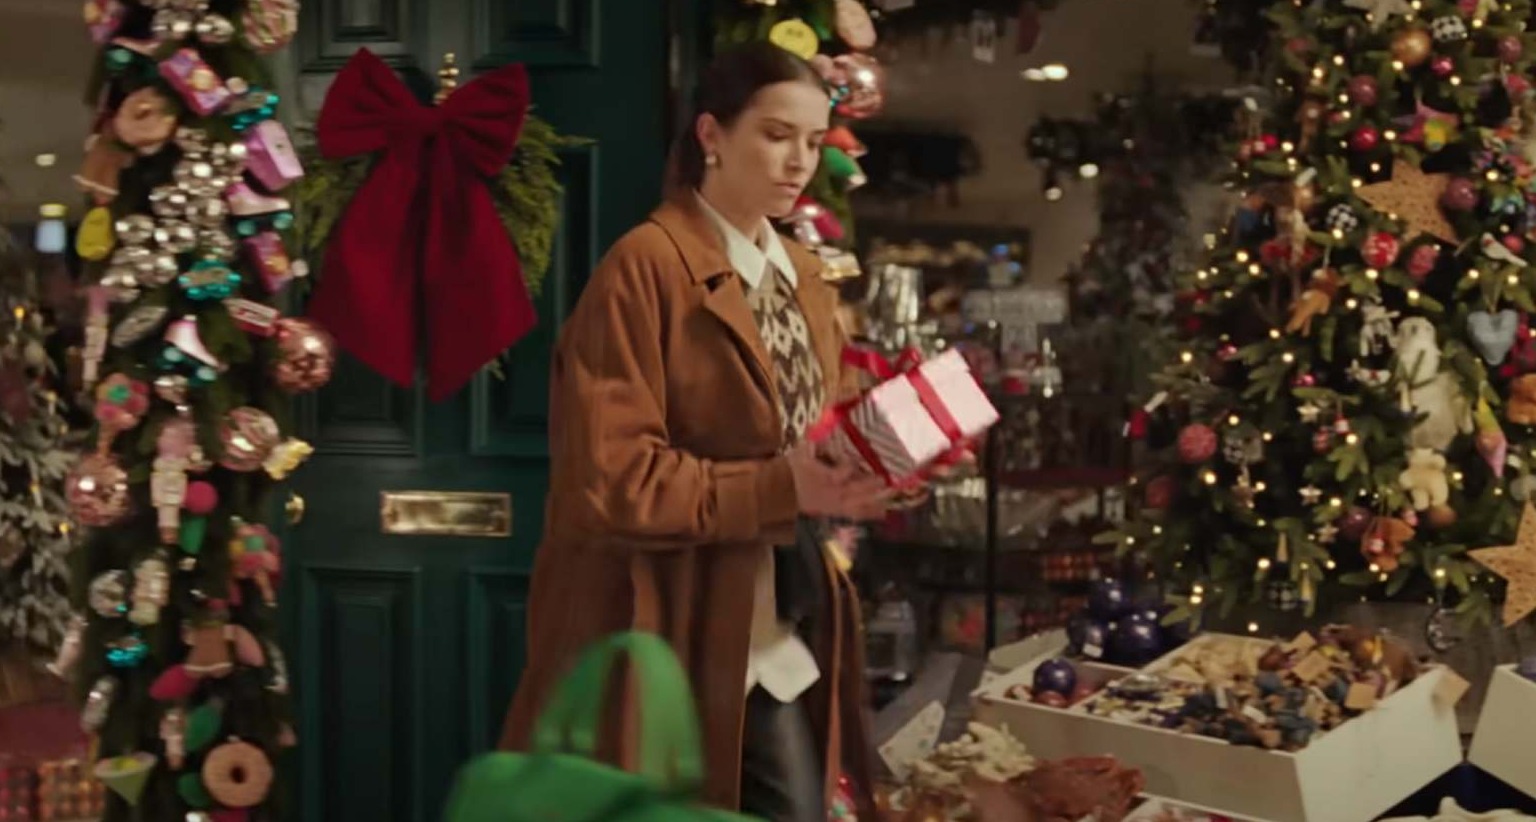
407	648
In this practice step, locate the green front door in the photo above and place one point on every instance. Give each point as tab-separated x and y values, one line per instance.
405	649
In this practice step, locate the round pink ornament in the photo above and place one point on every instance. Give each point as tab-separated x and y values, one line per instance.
121	403
865	89
1197	443
269	25
305	355
97	491
248	436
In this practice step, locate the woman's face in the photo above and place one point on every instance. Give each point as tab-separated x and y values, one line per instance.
768	155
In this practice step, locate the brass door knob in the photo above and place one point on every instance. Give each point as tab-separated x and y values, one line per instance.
294	508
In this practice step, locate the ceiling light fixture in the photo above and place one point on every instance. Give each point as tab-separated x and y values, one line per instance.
1048	73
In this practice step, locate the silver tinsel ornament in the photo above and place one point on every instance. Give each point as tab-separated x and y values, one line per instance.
167	202
214	30
175	236
135	229
191	140
136	259
171	24
194	176
121	284
210	212
165	269
216	244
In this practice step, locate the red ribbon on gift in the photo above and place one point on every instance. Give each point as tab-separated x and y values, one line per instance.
423	226
904	366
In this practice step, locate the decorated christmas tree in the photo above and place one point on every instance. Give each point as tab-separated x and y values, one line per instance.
35	454
191	372
1356	389
1140	151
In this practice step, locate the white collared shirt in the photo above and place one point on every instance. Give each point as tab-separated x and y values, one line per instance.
779	661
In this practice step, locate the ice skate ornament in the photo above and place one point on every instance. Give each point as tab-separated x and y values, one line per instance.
1377	331
1426	390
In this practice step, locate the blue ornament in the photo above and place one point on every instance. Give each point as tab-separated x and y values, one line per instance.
1108	599
209	280
1055	675
127	652
1527	668
1135	642
1087	637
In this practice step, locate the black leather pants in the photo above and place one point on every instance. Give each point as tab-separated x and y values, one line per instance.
781	770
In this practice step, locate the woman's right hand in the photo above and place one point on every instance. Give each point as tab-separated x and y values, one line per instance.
829	487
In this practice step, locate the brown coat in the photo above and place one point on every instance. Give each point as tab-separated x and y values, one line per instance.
666	484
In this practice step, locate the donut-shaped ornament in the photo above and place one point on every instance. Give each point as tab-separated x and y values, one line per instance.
248	436
237	775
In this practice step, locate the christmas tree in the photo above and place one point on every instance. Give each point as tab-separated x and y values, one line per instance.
1354	394
191	373
1140	150
35	455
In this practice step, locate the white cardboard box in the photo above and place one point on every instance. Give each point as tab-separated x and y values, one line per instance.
1502	744
1353	773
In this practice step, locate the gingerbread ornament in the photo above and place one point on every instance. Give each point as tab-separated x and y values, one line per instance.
103	165
210	651
1384	542
1413	197
237	774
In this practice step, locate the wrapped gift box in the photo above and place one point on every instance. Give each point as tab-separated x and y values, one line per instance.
899	426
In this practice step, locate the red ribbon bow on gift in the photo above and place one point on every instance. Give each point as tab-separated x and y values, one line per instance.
423	225
905	365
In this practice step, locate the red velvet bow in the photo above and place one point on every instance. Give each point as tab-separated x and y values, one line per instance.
423	225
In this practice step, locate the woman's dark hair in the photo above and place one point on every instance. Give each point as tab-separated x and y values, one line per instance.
725	90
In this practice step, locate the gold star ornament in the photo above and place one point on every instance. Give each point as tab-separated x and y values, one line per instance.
1517	565
1414	197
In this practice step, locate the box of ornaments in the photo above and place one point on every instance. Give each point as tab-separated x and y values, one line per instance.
988	775
1336	727
1502	743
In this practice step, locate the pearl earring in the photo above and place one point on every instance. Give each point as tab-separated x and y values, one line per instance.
712	160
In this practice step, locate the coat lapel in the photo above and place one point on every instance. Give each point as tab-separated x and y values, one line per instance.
699	245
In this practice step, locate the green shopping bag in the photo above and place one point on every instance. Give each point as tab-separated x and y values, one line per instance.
560	781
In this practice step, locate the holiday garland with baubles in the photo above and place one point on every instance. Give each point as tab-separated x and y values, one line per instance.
174	652
36	533
836	36
1357	386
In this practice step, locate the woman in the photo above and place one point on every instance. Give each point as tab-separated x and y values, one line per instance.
682	491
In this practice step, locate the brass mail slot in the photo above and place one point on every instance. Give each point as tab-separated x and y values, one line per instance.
446	513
